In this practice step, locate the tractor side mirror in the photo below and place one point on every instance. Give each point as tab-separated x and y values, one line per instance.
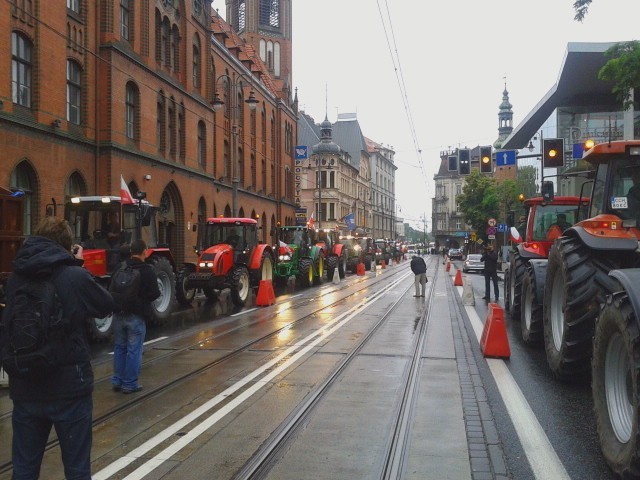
547	191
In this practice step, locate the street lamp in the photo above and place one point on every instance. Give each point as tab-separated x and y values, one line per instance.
234	109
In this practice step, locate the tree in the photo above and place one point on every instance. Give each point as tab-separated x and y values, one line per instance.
623	68
581	7
478	201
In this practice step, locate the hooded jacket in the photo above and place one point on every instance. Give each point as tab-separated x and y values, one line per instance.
418	265
149	289
82	299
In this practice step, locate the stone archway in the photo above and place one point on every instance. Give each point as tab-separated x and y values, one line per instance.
171	222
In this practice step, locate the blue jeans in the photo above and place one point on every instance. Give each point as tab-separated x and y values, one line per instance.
32	422
128	334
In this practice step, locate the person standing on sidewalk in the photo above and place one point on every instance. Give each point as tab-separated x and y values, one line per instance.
61	397
490	259
129	327
419	269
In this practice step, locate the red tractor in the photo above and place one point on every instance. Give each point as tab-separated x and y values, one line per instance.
545	221
590	288
101	240
335	253
229	256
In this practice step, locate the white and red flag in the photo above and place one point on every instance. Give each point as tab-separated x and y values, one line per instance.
125	194
285	247
311	221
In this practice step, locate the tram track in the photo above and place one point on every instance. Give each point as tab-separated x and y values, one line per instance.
132	401
263	460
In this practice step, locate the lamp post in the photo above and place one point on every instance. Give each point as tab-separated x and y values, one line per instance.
234	108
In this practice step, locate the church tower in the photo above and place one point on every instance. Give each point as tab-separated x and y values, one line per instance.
505	119
266	25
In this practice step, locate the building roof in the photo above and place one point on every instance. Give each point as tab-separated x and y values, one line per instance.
347	134
577	85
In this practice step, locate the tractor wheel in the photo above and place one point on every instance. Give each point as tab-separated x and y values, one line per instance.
517	267
331	263
266	268
184	295
342	265
100	329
319	269
531	323
615	385
240	286
575	286
305	272
164	304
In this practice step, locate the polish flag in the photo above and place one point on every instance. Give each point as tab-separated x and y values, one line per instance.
285	247
125	194
311	221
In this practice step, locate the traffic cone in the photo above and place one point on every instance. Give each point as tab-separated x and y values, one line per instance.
448	267
494	341
266	295
336	277
360	269
458	281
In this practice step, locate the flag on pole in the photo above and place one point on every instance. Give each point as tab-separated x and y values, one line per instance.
311	221
285	247
350	221
125	194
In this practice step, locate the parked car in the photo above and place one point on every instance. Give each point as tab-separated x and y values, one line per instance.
473	263
455	254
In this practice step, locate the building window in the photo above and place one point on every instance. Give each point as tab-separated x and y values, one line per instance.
196	61
202	145
74	6
270	13
125	19
74	92
21	70
241	15
458	189
131	104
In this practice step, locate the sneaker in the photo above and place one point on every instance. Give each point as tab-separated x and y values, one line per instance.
132	390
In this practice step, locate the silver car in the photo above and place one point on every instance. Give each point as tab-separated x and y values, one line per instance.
473	263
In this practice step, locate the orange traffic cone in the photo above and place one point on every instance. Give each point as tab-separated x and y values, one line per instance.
360	269
494	341
448	267
266	295
458	281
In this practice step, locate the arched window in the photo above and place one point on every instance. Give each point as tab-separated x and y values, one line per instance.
161	133
74	92
166	43
21	68
202	210
202	145
125	20
23	178
182	148
175	48
131	111
227	160
196	62
171	117
75	186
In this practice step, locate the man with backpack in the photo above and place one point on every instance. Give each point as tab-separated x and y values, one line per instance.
134	286
45	352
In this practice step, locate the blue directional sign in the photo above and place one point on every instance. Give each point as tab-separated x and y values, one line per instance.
503	227
578	150
505	158
301	152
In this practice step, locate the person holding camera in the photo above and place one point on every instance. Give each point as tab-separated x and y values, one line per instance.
490	259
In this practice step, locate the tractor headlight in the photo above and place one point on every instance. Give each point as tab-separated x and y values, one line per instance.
205	264
284	258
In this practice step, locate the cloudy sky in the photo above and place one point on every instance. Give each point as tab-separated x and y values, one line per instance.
425	75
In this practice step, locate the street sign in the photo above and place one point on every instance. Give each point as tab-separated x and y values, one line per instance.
492	222
301	152
492	230
479	241
491	237
503	227
473	236
505	158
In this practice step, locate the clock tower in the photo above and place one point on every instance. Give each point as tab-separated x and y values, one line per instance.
266	25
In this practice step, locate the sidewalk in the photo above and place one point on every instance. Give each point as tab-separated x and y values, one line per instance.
453	418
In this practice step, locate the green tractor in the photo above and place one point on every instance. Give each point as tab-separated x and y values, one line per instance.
298	256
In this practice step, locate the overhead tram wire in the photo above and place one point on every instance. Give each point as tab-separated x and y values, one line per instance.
395	59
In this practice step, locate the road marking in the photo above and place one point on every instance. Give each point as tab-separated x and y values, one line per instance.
243	312
149	342
281	362
542	457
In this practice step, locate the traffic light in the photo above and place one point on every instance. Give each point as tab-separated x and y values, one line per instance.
464	161
552	152
486	166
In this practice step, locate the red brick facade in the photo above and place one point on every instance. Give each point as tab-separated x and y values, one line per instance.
144	109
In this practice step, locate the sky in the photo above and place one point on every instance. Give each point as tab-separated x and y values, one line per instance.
425	76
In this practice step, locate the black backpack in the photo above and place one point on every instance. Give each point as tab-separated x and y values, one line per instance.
124	287
33	329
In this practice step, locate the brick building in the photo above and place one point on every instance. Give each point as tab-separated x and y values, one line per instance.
100	90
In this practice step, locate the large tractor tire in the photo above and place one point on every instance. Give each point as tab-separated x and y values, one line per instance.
305	272
100	329
517	266
342	264
331	263
163	306
319	270
240	285
531	323
184	295
615	385
266	268
575	285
